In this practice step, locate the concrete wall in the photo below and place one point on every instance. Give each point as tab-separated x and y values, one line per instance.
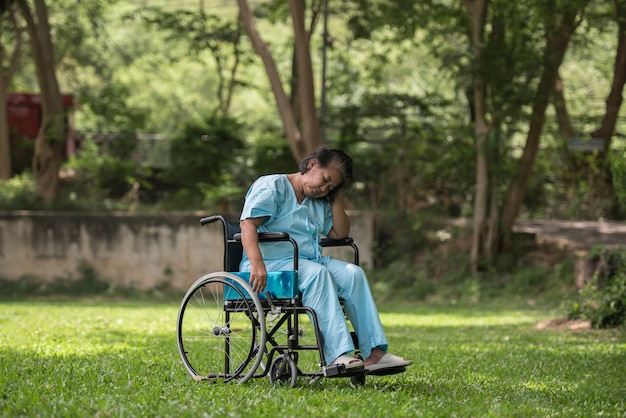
142	251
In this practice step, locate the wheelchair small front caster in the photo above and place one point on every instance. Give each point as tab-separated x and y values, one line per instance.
357	380
283	371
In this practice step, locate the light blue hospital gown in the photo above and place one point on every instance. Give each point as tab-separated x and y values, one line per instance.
321	279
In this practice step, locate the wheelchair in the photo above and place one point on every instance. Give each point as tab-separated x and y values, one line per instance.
226	332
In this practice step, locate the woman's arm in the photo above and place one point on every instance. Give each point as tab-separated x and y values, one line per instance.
341	222
250	242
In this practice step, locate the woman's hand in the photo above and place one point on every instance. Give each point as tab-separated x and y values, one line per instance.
258	276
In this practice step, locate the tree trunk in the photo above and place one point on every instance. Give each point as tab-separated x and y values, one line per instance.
558	38
297	142
614	99
50	141
491	240
562	115
477	10
5	150
225	108
306	88
5	80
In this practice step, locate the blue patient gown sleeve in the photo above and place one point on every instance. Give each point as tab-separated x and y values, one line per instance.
261	199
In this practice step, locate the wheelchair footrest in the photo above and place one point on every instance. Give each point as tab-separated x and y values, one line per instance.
339	370
387	371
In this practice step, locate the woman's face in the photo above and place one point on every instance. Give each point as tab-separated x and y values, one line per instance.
318	181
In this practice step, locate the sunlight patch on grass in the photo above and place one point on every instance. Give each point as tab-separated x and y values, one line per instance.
62	329
462	319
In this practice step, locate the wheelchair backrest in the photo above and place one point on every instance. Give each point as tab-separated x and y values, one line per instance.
233	250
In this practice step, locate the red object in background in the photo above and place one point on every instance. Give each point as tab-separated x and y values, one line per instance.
24	116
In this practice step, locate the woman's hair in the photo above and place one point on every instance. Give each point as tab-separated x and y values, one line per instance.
331	158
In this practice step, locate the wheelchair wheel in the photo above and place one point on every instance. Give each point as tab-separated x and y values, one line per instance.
283	371
357	380
221	329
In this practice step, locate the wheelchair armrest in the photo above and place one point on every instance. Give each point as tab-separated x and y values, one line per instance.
274	237
344	242
329	242
267	236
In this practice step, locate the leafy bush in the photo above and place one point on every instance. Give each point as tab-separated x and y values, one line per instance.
401	280
100	174
204	151
21	150
202	158
603	300
271	154
20	192
402	145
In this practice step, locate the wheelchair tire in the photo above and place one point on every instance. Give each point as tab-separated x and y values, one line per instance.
220	329
283	371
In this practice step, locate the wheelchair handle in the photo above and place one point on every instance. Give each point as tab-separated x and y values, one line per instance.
211	219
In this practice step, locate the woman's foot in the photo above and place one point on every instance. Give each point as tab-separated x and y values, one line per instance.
374	357
379	360
348	362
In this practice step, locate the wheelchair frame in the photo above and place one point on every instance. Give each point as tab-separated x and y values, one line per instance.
222	328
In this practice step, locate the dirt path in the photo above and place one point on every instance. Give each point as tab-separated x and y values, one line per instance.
575	235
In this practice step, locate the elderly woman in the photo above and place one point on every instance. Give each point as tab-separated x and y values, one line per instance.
306	205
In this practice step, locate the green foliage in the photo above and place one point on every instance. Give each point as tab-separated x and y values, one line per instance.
417	260
203	156
401	145
401	280
105	108
21	150
204	150
222	192
19	192
100	175
575	185
200	32
386	104
271	154
426	258
603	300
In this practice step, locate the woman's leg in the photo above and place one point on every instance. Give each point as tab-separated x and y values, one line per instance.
359	305
319	292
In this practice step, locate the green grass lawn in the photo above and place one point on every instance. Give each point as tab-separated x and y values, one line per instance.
119	359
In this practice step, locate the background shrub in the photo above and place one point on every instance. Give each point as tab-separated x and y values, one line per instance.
19	192
202	156
603	300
